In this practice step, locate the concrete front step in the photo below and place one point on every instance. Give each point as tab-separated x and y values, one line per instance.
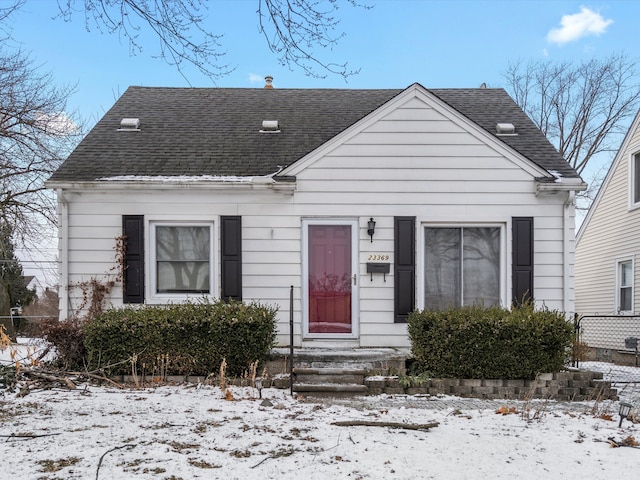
330	389
329	376
330	381
380	360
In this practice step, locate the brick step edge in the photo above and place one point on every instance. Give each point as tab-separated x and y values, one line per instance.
329	387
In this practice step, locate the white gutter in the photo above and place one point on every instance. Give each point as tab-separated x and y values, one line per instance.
63	249
262	182
561	185
569	205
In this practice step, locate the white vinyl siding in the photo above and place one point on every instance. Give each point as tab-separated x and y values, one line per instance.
611	233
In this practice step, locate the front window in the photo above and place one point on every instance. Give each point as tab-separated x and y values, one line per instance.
182	262
625	286
462	267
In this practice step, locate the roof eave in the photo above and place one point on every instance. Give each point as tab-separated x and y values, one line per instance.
288	186
544	186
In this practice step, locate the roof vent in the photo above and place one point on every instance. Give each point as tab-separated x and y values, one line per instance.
270	126
268	81
129	124
505	129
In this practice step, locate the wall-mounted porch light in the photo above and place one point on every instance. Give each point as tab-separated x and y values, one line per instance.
625	409
371	228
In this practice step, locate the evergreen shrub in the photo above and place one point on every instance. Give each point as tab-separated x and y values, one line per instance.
181	339
492	343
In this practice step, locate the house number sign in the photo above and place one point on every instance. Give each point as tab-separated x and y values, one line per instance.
377	258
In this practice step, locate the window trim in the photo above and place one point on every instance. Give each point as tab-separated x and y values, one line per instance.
153	295
504	274
634	187
618	276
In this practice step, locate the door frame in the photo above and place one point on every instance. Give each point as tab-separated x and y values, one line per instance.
355	297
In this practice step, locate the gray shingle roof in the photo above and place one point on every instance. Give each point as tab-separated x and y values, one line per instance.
215	131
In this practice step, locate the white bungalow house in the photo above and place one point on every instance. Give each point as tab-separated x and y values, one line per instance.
365	204
607	254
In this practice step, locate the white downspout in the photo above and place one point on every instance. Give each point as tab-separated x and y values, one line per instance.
63	249
566	273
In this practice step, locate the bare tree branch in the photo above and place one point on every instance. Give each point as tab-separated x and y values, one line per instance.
295	30
581	109
7	11
178	25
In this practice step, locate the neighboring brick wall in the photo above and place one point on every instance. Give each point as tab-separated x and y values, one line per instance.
564	386
616	357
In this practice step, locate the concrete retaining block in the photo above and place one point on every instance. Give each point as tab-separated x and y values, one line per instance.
471	382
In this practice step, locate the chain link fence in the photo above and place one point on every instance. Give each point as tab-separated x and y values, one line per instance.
610	344
613	338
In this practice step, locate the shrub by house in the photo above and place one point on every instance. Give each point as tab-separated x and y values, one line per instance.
184	339
477	342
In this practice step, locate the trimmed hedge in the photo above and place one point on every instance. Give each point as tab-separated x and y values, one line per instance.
492	343
183	339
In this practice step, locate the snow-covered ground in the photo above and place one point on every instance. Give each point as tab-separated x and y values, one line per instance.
190	432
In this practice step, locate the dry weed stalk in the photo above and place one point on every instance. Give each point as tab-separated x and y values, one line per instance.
134	370
529	412
601	405
161	368
222	378
5	343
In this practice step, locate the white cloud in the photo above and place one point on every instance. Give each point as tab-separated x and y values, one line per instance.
256	78
578	25
58	125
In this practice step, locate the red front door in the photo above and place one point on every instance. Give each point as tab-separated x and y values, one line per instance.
330	279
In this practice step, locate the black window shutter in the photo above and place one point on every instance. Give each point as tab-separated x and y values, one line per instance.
522	262
133	281
404	282
231	261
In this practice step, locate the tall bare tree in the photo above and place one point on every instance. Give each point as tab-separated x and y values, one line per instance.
35	136
582	109
295	30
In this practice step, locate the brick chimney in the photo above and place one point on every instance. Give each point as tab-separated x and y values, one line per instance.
268	81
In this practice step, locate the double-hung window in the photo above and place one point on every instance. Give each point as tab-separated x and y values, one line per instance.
625	286
635	179
182	259
462	267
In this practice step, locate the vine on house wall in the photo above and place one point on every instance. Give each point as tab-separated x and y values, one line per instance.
97	290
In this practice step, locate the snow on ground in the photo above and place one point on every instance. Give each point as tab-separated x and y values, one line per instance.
190	432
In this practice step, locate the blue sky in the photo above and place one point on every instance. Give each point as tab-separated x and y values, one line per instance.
438	43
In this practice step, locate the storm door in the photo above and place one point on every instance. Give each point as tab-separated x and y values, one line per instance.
330	283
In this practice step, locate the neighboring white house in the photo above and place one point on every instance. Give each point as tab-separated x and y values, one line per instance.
608	251
245	193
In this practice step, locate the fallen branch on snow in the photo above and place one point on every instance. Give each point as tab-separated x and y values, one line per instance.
109	451
368	423
27	436
626	442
